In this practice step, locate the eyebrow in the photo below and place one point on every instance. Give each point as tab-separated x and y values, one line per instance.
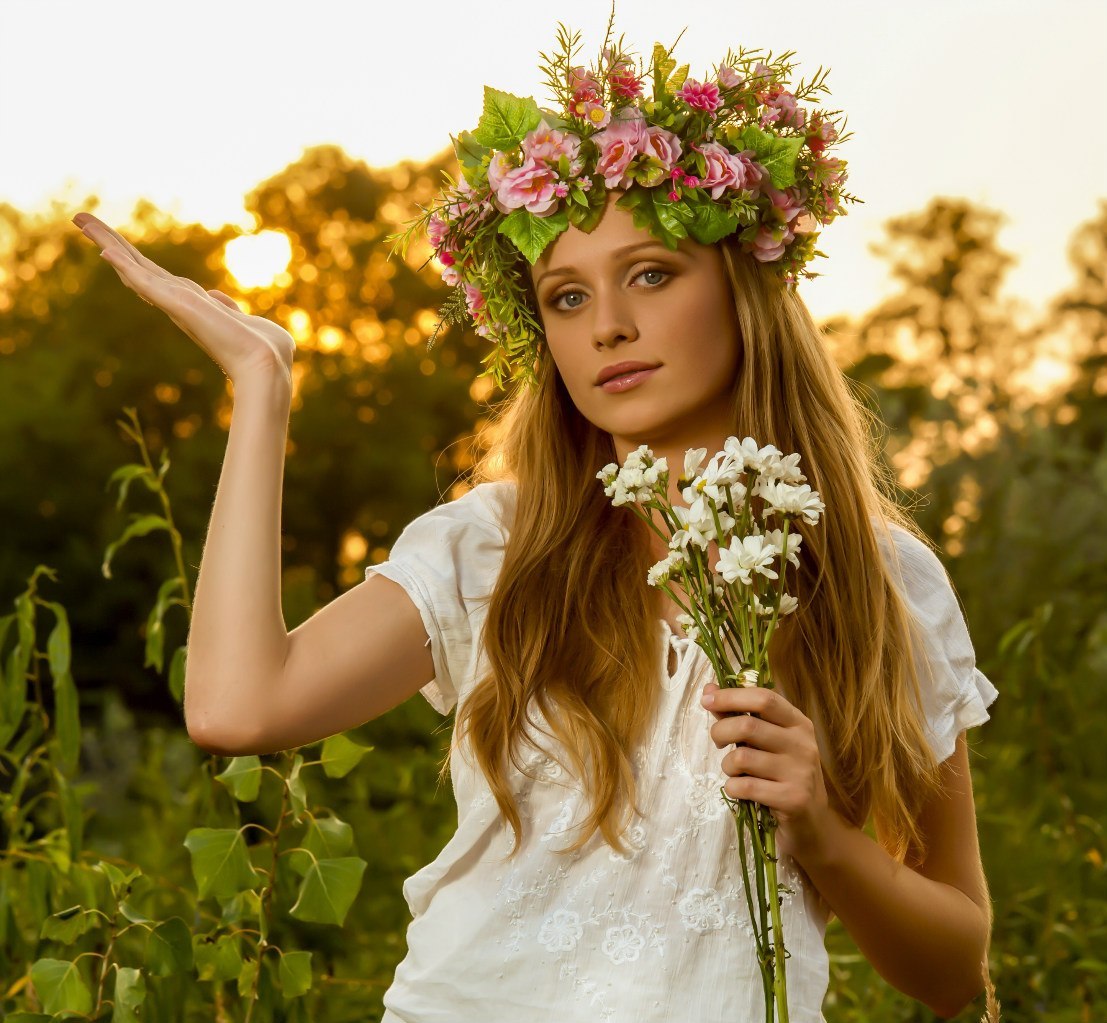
568	271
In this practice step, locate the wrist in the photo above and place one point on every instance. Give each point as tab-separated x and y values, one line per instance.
271	388
823	840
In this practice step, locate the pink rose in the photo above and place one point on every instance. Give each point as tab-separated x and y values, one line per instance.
619	143
787	204
725	169
530	187
700	96
548	144
663	145
770	243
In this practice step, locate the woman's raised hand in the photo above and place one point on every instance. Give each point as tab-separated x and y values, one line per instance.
245	347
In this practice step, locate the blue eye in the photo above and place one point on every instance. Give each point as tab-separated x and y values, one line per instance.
566	294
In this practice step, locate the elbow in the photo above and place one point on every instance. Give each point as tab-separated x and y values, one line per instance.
212	736
978	980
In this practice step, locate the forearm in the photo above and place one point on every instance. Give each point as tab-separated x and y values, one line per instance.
238	639
925	938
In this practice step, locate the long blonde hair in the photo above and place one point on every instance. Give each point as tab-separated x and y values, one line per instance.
565	620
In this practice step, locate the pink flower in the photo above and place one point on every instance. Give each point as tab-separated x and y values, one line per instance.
770	243
787	204
619	143
622	80
663	145
581	79
781	109
674	196
728	77
725	169
530	187
436	230
475	301
548	145
499	167
821	132
700	96
596	114
561	189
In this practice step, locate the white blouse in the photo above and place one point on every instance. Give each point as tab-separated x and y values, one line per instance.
662	933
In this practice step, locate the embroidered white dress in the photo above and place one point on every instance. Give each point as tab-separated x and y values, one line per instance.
661	934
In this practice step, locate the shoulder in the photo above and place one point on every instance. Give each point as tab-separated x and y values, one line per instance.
911	558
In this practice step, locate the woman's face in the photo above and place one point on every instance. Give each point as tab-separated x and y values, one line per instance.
619	295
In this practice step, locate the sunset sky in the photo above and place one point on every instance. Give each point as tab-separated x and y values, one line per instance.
191	105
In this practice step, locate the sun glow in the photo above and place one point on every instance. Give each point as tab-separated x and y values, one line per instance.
257	260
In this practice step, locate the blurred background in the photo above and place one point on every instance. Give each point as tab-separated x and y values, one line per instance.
268	149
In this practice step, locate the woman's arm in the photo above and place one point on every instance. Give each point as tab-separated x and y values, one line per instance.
926	932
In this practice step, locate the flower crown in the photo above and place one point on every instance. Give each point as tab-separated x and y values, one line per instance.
733	154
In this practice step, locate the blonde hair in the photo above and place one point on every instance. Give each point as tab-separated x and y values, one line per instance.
567	616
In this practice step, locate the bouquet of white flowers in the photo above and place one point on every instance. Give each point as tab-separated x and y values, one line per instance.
732	607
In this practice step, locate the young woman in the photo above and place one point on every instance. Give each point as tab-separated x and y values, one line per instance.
594	873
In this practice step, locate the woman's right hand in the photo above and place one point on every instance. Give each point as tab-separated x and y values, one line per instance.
245	347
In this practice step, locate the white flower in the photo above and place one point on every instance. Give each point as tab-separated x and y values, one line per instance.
776	538
693	459
789	499
701	910
635	840
744	556
560	931
749	456
787	469
788	604
659	573
623	944
608	474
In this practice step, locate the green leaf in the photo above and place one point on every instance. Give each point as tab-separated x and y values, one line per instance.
532	234
328	890
297	792
328	837
775	154
218	960
242	777
642	205
586	218
341	755
246	976
60	987
295	974
130	993
67	925
220	863
177	674
470	155
125	474
141	526
67	724
169	948
711	222
506	119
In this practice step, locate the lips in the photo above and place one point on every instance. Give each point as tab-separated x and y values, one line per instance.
620	369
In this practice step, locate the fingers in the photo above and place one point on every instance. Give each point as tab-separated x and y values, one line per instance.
99	232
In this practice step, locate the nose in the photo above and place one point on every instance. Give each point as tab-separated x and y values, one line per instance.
613	320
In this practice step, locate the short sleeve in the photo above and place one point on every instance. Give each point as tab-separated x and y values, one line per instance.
447	560
956	694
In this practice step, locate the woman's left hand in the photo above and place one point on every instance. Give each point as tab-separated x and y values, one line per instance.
779	764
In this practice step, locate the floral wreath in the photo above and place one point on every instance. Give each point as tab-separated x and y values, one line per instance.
733	154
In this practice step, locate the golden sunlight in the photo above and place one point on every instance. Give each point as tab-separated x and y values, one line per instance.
256	260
